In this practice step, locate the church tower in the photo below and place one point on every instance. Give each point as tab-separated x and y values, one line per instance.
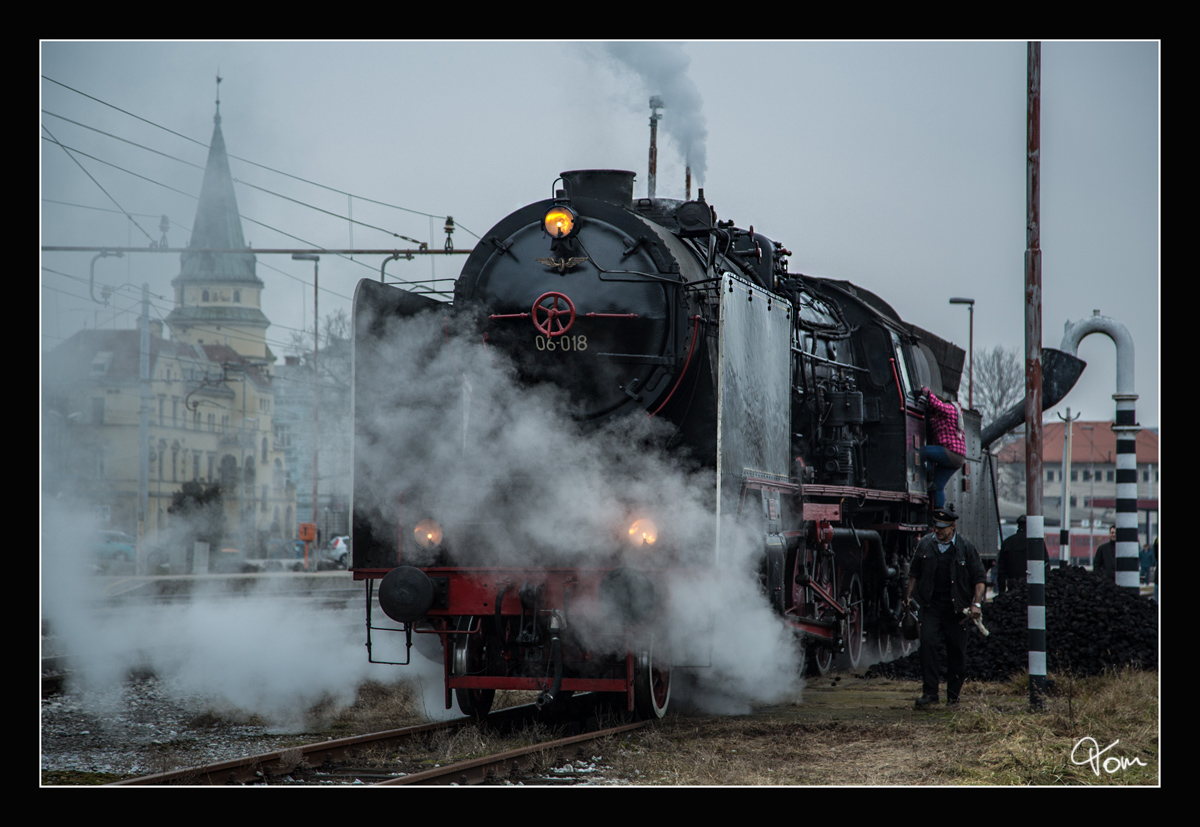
218	296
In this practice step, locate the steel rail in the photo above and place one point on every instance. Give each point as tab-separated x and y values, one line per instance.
490	768
252	768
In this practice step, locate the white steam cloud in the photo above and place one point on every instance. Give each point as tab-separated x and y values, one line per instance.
662	69
508	466
529	480
262	653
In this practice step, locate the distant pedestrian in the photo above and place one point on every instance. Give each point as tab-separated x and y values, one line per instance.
1012	562
1145	563
1105	561
1155	569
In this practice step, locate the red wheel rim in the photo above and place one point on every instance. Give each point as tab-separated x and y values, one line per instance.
548	316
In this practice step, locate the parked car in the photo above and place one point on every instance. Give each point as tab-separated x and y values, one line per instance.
112	548
340	550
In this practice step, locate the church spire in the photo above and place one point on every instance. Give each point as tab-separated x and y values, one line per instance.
217	294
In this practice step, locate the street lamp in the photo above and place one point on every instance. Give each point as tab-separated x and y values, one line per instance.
314	258
970	303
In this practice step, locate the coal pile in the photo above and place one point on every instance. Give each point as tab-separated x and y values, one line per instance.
1091	626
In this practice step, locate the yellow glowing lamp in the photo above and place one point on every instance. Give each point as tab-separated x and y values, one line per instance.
559	221
643	532
428	533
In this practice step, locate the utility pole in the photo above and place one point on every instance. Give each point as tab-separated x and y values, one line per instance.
1035	525
1064	529
315	259
143	501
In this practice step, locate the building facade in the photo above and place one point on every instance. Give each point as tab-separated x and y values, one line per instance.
1092	475
209	401
332	454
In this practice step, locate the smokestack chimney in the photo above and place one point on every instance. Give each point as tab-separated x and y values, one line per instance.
656	103
687	183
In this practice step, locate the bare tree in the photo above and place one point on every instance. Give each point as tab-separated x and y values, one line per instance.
335	333
337	327
1000	384
999	381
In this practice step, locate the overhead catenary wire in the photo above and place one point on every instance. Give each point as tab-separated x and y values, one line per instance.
113	314
248	161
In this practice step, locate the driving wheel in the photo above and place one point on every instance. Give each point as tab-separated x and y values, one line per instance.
470	658
651	684
852	627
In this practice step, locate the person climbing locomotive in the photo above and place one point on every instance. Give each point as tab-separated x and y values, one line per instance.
947	448
947	576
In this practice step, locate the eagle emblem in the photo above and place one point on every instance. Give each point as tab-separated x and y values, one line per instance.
562	265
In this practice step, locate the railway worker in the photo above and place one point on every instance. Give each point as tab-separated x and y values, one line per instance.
947	448
1105	561
947	576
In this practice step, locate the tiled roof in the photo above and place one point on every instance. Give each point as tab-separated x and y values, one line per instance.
113	357
1099	444
118	352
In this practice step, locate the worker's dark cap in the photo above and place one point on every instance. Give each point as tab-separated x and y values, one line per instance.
942	518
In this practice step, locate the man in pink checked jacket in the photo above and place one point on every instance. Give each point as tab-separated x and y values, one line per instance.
947	448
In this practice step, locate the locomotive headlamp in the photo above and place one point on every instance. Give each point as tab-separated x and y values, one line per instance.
643	532
428	533
559	221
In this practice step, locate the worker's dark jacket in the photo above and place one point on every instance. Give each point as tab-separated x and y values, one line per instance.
965	573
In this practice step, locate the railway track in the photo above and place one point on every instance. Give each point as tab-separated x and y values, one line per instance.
340	761
508	764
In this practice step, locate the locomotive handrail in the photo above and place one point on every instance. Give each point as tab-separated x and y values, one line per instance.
683	371
899	387
585	315
825	361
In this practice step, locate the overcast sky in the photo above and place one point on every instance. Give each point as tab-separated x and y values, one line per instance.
897	166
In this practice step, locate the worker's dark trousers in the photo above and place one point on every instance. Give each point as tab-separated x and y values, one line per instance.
940	623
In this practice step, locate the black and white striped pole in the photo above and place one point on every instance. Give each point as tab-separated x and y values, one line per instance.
1126	428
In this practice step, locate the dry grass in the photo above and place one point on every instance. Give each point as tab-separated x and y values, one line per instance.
1119	712
377	707
852	732
992	739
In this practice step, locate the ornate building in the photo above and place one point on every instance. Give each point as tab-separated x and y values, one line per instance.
210	402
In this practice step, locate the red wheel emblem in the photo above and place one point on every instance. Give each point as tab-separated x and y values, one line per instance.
548	316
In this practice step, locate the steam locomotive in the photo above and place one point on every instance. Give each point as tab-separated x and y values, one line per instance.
794	400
